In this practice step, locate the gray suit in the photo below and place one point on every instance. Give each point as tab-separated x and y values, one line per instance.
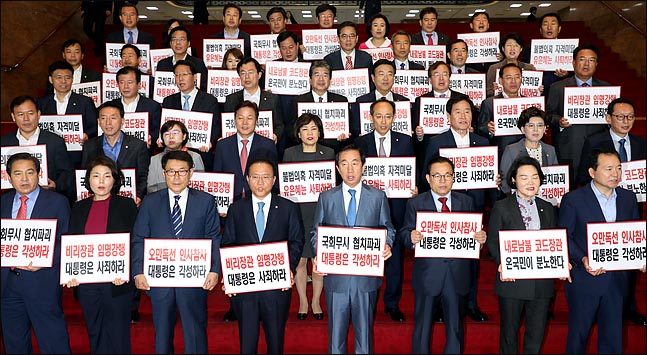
352	296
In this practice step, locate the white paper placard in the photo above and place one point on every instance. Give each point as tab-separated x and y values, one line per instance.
448	235
303	182
94	258
27	241
256	267
219	185
39	151
350	251
553	54
616	246
176	262
533	254
474	167
588	105
633	178
319	43
396	176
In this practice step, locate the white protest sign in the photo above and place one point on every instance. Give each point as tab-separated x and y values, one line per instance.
333	115
91	90
135	125
396	176
427	55
27	241
380	53
111	87
448	235
214	50
533	254
617	245
39	151
176	262
350	251
633	178
159	54
165	84
556	183
410	83
350	83
113	55
303	182
482	47
472	85
219	185
433	114
256	267
286	78
319	43
588	105
553	54
531	80
128	186
223	82
264	124
264	48
197	123
475	167
401	119
69	127
93	258
507	110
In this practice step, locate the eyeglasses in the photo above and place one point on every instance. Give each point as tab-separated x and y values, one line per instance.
533	125
176	172
263	178
621	118
445	177
182	74
348	36
174	132
591	60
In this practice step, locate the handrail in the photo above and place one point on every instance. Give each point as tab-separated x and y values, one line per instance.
8	68
619	14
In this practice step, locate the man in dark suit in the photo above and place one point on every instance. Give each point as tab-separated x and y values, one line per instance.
320	74
401	46
382	78
460	111
383	142
428	35
189	98
569	139
347	57
59	167
457	56
198	220
180	40
129	17
438	280
479	23
596	295
73	53
352	204
250	72
264	217
127	151
31	296
232	16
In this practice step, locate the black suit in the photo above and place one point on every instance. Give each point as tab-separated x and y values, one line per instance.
118	37
268	102
133	154
355	120
87	76
533	295
487	115
292	117
411	65
166	64
77	105
603	140
362	60
416	39
154	110
270	308
241	35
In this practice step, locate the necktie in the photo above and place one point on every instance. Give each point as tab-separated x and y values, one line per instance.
585	84
260	221
622	151
351	216
320	99
176	217
443	200
349	62
430	40
185	106
381	153
243	155
22	211
460	71
442	95
402	66
130	37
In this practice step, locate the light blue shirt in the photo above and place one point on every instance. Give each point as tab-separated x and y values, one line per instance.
580	82
616	143
239	139
112	152
439	205
135	32
234	36
31	201
347	196
608	205
434	37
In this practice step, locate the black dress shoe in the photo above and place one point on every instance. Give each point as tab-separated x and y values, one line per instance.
134	316
476	315
636	318
439	317
550	315
302	316
395	313
318	316
230	316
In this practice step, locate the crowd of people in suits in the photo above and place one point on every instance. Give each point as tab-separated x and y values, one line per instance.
445	289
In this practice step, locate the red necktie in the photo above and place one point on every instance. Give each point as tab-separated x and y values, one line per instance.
430	40
460	71
243	159
443	200
349	62
22	211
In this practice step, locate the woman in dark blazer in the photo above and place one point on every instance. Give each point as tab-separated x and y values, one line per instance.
521	211
106	306
308	129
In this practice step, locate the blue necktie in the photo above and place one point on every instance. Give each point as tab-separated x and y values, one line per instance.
176	217
622	151
402	66
185	106
130	37
260	221
585	84
351	216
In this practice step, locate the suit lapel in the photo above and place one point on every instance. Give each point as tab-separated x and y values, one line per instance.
123	151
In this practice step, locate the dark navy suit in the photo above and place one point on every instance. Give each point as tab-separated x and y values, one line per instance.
241	35
362	60
34	299
268	102
270	308
416	39
355	120
154	110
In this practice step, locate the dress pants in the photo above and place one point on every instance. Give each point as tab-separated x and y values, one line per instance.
343	307
536	312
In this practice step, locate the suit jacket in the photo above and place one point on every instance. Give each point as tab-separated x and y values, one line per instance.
355	120
373	212
118	37
59	165
429	273
49	205
268	102
166	64
486	115
203	103
491	77
200	221
507	216
77	105
87	76
292	117
133	154
122	213
154	110
241	35
362	60
603	140
518	149
411	65
578	208
415	116
417	39
283	224
227	159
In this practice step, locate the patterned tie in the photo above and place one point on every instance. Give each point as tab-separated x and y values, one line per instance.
320	99
349	62
460	71
402	66
176	217
351	216
622	151
585	84
186	107
443	200
382	153
260	221
22	211
130	37
430	39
